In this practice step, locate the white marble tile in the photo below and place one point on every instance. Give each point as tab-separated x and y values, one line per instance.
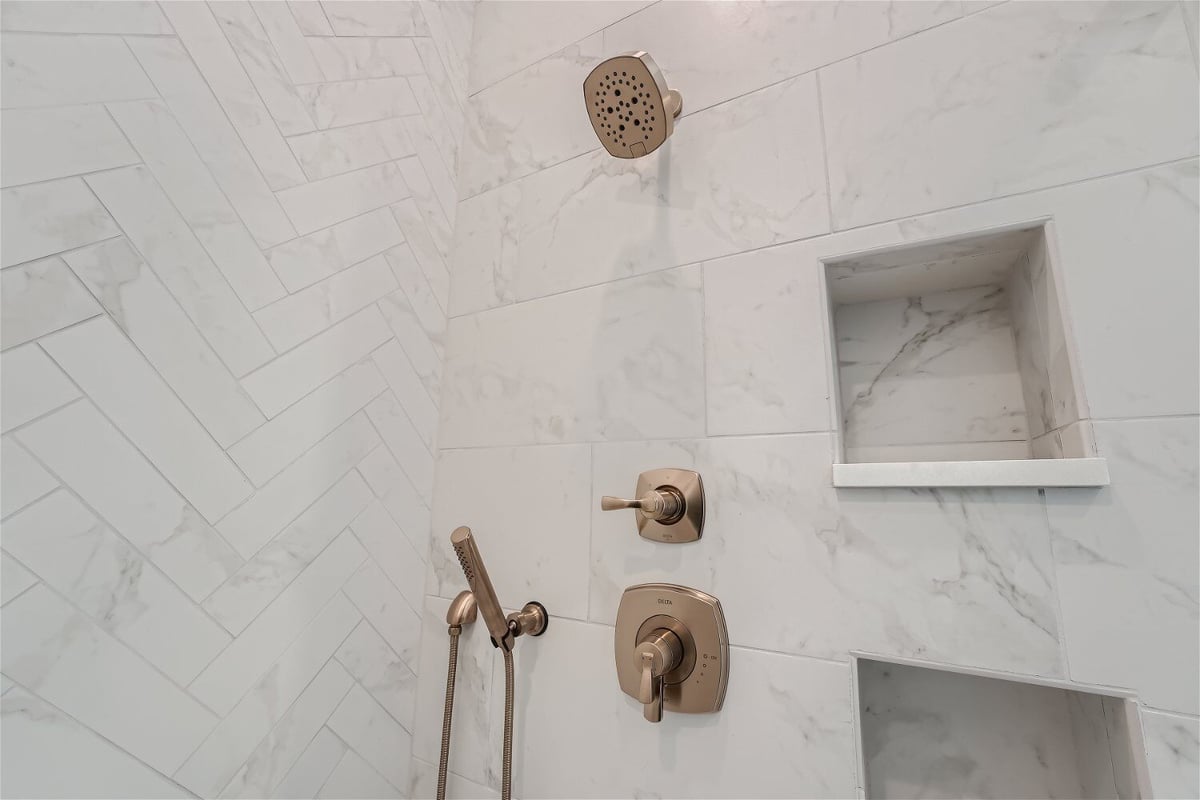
387	611
81	16
287	37
366	18
192	103
302	621
387	544
426	198
267	691
1191	18
505	482
785	729
263	66
372	733
484	261
15	579
1054	93
766	367
621	361
444	128
296	373
40	298
273	758
389	483
118	380
357	57
137	301
514	35
323	154
423	784
300	316
406	385
202	36
890	569
401	437
103	576
433	158
44	143
32	386
265	453
1126	554
280	501
381	672
164	239
49	218
742	175
184	178
1172	753
314	766
310	17
332	200
23	478
424	352
471	752
54	651
354	777
240	599
419	292
91	457
304	261
940	368
49	70
333	105
424	248
39	739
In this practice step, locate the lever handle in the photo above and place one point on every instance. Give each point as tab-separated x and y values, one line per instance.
658	654
650	692
664	505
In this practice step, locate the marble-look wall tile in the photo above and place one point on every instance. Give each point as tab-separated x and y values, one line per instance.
424	248
314	766
16	580
91	457
425	352
368	728
23	478
48	218
354	58
127	389
420	295
57	653
381	603
354	777
141	306
1172	753
506	483
423	784
323	154
41	298
44	143
766	366
310	17
103	576
49	70
393	488
402	438
334	105
84	16
890	569
387	544
287	37
366	18
304	261
325	202
39	739
484	261
33	385
406	385
621	361
381	672
1126	554
1054	92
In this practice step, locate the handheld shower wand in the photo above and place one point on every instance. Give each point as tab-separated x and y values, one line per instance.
481	586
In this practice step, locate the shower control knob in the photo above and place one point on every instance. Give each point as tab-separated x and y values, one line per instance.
669	505
656	655
661	505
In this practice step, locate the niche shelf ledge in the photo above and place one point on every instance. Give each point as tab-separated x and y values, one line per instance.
1035	472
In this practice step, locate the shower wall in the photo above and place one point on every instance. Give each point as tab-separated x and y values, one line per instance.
225	236
611	316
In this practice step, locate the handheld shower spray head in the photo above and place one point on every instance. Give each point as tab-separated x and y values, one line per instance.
631	109
485	595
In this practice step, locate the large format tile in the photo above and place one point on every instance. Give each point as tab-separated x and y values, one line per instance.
1127	555
621	361
48	218
48	70
56	652
1052	93
115	480
505	483
44	143
39	739
128	390
891	570
1172	753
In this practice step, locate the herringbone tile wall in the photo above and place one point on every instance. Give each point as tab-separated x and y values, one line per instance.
226	230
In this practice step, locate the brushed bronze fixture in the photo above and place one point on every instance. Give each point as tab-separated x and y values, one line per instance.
461	611
630	107
669	505
672	649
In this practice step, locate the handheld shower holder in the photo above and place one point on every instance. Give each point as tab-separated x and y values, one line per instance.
531	620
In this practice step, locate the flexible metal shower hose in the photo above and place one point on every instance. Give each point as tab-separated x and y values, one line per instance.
448	713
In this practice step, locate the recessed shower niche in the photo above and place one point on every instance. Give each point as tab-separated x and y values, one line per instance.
933	733
958	352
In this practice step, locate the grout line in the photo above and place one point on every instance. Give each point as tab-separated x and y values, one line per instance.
824	149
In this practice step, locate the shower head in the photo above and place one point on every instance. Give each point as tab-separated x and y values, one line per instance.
631	109
481	586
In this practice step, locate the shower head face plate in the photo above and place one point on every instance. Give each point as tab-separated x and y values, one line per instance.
631	109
